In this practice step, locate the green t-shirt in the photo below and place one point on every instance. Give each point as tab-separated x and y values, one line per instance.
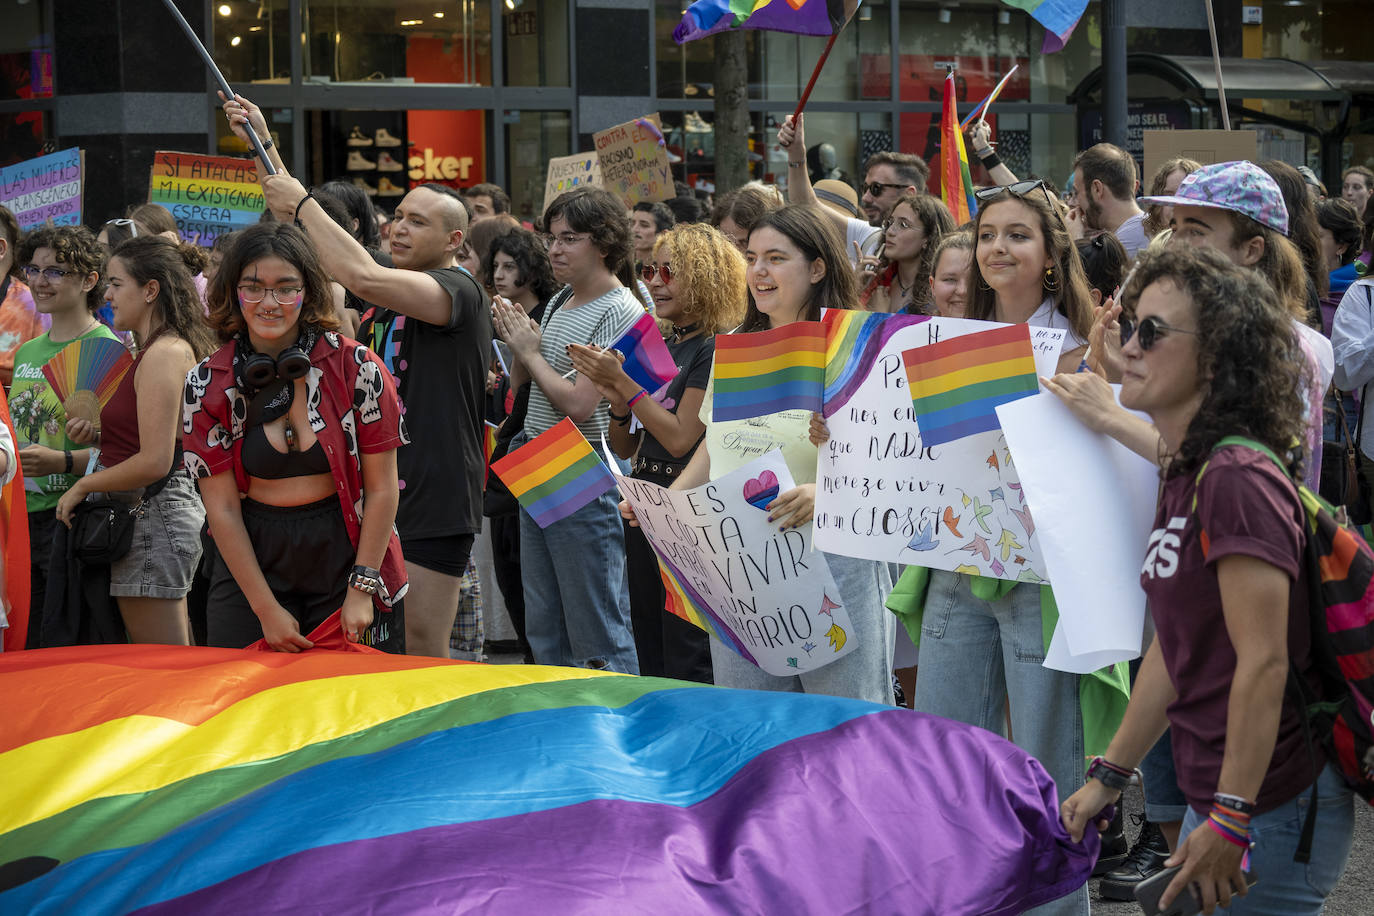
38	416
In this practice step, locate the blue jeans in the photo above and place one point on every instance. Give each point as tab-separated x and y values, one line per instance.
975	655
577	603
1284	887
865	673
1164	800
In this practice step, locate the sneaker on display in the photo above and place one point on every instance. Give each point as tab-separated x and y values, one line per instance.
368	189
695	125
386	189
384	138
357	162
386	164
356	137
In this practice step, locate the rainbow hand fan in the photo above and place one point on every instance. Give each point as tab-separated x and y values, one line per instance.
85	374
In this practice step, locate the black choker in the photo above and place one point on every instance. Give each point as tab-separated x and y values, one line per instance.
681	332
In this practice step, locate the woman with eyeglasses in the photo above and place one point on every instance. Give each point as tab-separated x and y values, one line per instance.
292	430
63	266
1211	352
696	277
795	266
152	297
899	281
577	610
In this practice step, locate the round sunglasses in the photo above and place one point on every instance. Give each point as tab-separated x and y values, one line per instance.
647	272
1150	329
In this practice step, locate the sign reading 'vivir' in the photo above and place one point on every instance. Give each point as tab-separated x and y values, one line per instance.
43	189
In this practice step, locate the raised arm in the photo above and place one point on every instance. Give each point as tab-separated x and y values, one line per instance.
980	141
792	138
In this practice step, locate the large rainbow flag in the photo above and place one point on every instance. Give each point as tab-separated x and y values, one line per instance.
956	185
1059	17
956	384
554	474
174	780
803	17
763	372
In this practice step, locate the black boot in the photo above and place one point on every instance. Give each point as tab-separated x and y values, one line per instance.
1146	859
1114	847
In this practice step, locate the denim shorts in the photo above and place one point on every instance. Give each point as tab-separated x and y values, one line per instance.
166	548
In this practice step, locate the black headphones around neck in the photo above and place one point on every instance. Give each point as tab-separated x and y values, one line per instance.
261	369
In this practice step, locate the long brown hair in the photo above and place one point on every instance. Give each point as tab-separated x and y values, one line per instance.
936	222
177	309
815	237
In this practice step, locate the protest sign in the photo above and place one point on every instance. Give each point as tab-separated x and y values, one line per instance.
1206	146
569	172
634	161
46	188
882	494
208	195
763	592
1094	503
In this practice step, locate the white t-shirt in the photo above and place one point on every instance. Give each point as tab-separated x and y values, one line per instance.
869	237
1131	235
1047	316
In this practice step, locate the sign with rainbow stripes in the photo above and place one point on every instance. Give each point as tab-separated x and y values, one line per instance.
763	372
554	474
183	779
726	568
208	195
956	384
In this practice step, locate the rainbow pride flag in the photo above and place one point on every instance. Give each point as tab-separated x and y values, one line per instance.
956	384
166	780
554	474
802	17
853	342
956	185
489	431
647	359
763	372
1059	17
682	600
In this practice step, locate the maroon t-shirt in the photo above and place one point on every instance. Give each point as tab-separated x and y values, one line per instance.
1246	506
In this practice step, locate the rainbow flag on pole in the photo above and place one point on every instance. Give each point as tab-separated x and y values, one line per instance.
1059	17
956	185
554	474
801	17
166	780
767	371
647	359
956	384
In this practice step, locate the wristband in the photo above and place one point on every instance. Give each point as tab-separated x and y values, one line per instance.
631	403
266	144
1235	804
365	579
68	453
795	165
1109	774
991	160
618	418
1233	833
297	217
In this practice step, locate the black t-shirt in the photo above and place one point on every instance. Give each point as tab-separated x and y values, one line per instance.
693	360
441	374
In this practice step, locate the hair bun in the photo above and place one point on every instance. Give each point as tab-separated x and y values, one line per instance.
193	256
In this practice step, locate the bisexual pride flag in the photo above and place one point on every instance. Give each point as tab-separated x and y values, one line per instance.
956	384
802	17
554	474
647	359
166	780
763	372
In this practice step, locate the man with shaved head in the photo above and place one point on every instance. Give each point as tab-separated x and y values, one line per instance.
432	327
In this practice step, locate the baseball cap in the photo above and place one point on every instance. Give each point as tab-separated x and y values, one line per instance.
1240	186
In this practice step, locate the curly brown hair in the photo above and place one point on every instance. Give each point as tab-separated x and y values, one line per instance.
1153	223
600	214
710	274
74	246
177	309
1249	362
264	240
936	222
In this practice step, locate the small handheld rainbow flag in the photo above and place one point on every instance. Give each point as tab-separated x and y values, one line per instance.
767	371
956	185
555	474
801	17
647	359
489	432
956	384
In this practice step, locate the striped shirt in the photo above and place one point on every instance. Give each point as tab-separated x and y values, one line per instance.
597	322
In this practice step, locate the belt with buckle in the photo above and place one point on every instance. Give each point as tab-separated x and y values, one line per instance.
657	467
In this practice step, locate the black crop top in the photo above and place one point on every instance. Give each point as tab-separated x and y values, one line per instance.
262	460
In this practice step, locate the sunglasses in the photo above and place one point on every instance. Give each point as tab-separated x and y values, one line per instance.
1151	329
1019	189
648	270
875	188
133	226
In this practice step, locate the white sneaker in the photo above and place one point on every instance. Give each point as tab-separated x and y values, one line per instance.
368	189
357	162
356	137
384	138
386	164
695	125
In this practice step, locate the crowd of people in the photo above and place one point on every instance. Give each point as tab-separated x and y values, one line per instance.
301	434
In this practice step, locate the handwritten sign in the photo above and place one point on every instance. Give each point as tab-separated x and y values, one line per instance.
46	188
882	494
634	162
763	592
567	173
208	195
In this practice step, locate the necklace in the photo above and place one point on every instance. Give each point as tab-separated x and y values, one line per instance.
681	331
95	323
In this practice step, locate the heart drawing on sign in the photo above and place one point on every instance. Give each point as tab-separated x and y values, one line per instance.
762	490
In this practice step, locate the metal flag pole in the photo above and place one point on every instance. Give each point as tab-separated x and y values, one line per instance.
223	83
1216	62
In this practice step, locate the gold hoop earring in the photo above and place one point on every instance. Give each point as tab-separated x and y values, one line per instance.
1051	284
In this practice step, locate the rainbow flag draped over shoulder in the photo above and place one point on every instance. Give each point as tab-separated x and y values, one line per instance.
1057	16
763	372
802	17
554	474
956	185
956	384
177	779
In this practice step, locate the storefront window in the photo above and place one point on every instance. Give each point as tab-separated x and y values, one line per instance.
536	33
532	139
688	71
852	137
386	153
252	41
